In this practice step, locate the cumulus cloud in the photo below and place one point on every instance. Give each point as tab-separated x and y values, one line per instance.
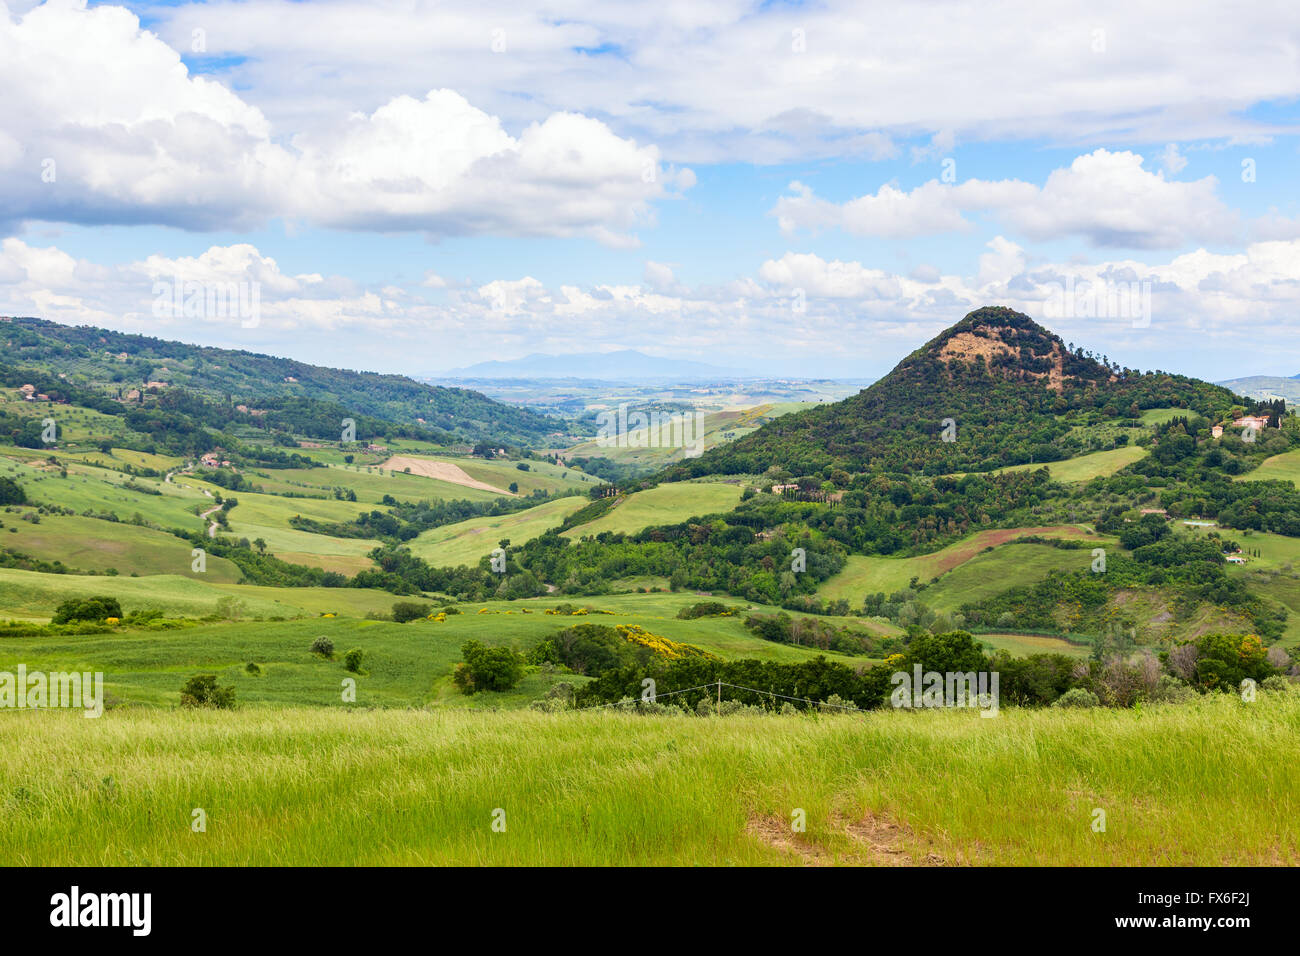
1105	197
103	123
770	83
797	311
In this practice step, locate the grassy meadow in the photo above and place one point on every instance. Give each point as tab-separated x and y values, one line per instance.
1097	464
664	504
1209	783
1283	467
465	542
407	665
1021	564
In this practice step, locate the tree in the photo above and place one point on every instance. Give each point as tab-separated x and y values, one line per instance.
404	611
487	668
202	690
260	545
99	608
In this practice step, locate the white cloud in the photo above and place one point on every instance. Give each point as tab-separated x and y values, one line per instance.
103	123
725	81
1106	197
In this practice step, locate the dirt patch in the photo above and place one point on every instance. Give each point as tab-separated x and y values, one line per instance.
986	342
441	471
959	555
875	841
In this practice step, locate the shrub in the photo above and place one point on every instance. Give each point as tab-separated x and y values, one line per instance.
99	608
487	668
1276	683
352	660
704	609
323	646
202	690
252	668
404	611
1077	697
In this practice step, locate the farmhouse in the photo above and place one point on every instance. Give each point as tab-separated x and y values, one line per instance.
1258	422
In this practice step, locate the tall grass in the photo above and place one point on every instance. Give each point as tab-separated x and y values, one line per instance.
1205	783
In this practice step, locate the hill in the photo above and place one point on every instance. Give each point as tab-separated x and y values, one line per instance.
1266	387
993	390
283	391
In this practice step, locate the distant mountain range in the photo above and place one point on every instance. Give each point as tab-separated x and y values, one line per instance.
621	366
1266	387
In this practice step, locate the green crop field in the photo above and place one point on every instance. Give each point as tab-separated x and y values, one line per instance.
465	542
937	787
665	504
94	489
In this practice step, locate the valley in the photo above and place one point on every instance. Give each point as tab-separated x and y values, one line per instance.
1094	534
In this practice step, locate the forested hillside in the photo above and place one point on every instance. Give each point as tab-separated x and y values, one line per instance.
291	393
1015	394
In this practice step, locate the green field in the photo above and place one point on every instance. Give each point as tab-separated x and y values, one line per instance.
872	574
90	544
408	665
1283	467
31	595
1158	416
465	542
310	787
664	504
94	489
1022	645
1097	464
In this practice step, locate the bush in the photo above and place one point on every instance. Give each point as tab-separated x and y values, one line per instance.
404	611
323	646
97	608
487	668
704	609
1077	697
252	668
202	690
1277	683
352	660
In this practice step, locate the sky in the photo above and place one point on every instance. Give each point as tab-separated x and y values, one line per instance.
797	189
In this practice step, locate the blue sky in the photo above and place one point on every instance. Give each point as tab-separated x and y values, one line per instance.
795	189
